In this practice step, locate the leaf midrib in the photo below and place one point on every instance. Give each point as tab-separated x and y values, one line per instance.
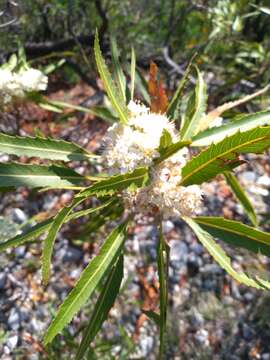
36	148
230	230
70	306
198	168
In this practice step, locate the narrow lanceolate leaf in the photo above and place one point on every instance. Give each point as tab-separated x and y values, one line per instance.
196	109
50	239
222	258
170	150
33	176
103	305
44	148
132	73
119	74
243	123
241	196
212	115
163	268
236	234
135	179
165	141
174	103
112	91
90	278
224	156
44	226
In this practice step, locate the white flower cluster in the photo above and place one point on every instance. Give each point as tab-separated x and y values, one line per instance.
14	85
136	144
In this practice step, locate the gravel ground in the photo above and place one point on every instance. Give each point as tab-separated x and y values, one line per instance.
210	315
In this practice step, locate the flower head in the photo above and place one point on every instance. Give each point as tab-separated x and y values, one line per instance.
136	144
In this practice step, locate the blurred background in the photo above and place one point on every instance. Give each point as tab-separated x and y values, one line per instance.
210	316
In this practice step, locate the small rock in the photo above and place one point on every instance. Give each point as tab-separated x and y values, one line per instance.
167	226
193	265
264	180
247	332
14	319
266	356
3	280
72	254
18	216
212	269
249	176
12	342
178	250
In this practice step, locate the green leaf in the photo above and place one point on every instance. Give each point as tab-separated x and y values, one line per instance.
119	74
170	150
103	305
132	73
236	234
222	258
112	92
90	278
138	178
32	176
195	109
243	123
241	196
44	148
224	156
163	269
44	226
174	103
152	316
165	141
50	239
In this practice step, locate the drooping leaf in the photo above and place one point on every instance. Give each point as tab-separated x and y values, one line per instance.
42	227
196	109
170	150
236	234
241	196
132	73
159	100
44	148
48	243
163	269
33	176
112	91
244	123
103	305
90	278
222	258
174	103
138	178
212	115
119	74
224	156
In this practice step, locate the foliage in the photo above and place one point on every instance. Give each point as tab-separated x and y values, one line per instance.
217	152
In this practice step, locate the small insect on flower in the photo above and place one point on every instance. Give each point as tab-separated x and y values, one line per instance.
136	144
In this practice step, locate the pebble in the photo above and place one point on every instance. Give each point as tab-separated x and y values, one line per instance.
14	319
263	181
72	254
18	216
12	342
3	280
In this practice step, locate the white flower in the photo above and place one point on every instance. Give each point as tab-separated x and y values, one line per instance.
136	144
15	85
216	122
33	80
